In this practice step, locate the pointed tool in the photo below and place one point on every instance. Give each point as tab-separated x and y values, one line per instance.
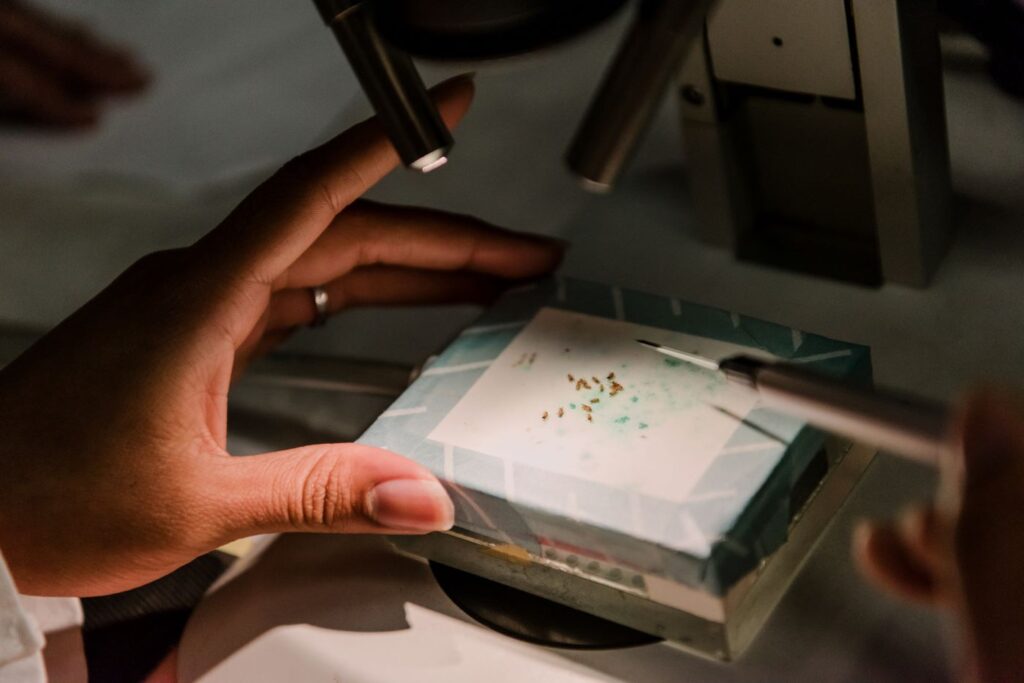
913	427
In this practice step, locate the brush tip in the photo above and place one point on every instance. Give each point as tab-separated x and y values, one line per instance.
653	345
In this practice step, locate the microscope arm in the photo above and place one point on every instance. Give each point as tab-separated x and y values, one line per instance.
649	57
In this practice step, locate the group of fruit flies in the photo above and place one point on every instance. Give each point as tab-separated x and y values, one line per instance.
613	389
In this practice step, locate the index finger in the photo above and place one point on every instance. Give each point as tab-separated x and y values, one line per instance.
279	220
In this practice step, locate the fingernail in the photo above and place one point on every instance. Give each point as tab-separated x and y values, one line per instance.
412	504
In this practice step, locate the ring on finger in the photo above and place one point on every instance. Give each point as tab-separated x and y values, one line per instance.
320	302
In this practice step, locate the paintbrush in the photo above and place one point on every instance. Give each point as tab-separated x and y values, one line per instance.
910	426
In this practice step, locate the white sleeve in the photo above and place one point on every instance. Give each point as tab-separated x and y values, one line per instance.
21	640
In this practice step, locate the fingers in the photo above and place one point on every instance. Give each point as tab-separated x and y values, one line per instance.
887	557
383	286
340	488
910	557
926	535
968	556
284	216
989	554
33	93
369	233
291	309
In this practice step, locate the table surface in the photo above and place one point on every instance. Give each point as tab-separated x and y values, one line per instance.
242	86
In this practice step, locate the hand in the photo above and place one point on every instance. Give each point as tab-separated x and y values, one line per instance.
966	553
113	469
55	73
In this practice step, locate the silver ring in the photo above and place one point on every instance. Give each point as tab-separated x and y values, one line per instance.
320	303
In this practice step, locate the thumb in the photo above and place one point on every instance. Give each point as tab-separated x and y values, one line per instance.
345	488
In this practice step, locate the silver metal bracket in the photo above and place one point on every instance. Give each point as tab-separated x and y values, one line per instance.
815	133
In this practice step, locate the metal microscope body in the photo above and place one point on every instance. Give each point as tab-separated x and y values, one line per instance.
814	130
